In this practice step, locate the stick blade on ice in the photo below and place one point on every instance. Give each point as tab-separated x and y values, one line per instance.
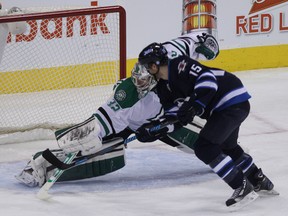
43	193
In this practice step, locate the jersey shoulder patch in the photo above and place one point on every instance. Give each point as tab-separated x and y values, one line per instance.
125	93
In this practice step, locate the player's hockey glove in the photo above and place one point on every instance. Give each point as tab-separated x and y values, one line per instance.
144	133
207	46
188	110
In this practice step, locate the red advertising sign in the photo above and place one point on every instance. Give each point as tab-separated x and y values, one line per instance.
260	5
260	22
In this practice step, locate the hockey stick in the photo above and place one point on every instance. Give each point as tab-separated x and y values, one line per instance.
193	123
196	124
67	164
56	163
43	192
51	158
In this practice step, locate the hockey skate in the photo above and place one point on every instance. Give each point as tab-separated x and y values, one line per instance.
26	177
242	196
264	185
35	172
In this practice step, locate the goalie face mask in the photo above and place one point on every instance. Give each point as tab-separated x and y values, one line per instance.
142	80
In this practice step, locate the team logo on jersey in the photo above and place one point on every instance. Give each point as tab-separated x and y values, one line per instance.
120	95
182	66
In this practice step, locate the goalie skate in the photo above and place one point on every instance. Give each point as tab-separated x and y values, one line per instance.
26	177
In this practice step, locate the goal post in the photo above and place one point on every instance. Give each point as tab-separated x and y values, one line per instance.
62	68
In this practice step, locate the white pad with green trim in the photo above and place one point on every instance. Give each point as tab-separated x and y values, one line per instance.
38	170
82	137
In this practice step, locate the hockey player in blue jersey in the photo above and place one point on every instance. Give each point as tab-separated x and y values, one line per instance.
191	89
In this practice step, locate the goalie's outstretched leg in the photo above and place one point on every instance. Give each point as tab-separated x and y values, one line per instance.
38	170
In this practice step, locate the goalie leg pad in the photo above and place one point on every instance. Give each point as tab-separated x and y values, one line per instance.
97	166
82	137
38	170
185	139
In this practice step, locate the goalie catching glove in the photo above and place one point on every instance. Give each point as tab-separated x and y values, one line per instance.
207	46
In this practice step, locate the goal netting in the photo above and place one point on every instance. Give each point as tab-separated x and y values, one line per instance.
62	68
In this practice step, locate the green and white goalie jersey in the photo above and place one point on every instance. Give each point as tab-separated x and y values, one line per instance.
125	108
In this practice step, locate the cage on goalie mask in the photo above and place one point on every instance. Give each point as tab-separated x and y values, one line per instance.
142	79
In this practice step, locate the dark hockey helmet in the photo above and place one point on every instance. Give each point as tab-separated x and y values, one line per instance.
153	53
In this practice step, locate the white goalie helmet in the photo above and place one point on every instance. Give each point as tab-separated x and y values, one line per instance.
142	79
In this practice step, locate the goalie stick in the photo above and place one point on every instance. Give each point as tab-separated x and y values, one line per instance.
196	124
62	166
51	158
43	192
67	164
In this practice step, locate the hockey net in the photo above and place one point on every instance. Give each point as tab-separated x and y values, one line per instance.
61	69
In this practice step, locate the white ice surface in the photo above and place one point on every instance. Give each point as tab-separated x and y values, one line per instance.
159	180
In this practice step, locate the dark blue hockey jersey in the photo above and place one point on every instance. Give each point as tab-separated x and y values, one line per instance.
214	89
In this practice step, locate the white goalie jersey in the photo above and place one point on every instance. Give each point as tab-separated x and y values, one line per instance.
125	109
